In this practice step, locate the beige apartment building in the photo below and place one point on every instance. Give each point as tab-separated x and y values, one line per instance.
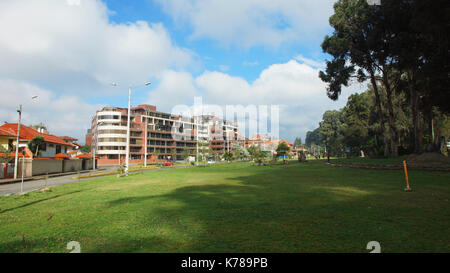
155	135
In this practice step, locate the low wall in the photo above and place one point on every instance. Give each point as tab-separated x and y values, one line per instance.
43	166
72	165
87	164
28	169
47	166
6	170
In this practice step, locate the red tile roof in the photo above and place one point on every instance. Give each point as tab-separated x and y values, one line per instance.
285	141
27	133
7	132
61	156
68	138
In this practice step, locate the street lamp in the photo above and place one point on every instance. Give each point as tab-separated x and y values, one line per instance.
16	159
127	156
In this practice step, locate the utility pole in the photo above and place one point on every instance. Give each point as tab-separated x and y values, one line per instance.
94	144
16	160
196	133
145	139
23	170
127	156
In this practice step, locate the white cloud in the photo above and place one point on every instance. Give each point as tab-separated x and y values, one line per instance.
310	62
77	47
295	87
63	114
68	53
174	88
252	22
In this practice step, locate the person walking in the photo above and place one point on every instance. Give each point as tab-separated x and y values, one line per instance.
328	157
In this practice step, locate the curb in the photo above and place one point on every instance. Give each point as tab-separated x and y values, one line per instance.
26	179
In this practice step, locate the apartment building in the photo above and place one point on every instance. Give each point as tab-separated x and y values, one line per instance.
221	133
154	135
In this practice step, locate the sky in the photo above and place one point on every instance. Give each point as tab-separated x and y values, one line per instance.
234	52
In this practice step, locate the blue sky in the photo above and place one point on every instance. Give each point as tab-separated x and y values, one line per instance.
228	52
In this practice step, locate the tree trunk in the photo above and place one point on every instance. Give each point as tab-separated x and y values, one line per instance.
431	126
416	117
380	111
391	117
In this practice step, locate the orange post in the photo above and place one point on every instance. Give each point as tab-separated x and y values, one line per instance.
406	177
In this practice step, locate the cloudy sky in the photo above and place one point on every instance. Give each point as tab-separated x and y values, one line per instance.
238	52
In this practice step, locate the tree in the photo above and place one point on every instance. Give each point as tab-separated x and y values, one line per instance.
173	153
4	154
282	150
228	156
39	126
357	127
313	137
257	155
85	149
298	142
34	144
331	130
186	154
239	152
204	150
351	46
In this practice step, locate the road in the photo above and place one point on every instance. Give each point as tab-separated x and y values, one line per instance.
32	185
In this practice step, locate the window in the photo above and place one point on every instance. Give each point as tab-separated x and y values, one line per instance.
58	149
43	147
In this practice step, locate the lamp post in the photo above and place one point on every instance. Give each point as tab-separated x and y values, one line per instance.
145	142
23	170
16	159
127	156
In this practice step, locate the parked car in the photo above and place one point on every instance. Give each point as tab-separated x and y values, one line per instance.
168	163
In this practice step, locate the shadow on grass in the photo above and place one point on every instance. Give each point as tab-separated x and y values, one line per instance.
271	211
38	201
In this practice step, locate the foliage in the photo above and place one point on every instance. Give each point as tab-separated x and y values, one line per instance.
400	48
186	154
39	126
240	152
204	151
298	142
228	156
35	143
282	149
85	149
258	155
4	154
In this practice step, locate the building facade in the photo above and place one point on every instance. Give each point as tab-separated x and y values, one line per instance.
155	135
52	144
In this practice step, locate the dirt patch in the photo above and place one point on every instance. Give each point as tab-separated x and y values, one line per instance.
428	158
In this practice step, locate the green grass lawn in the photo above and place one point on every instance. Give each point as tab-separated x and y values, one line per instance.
235	208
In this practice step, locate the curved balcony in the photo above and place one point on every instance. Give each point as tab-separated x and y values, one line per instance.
108	144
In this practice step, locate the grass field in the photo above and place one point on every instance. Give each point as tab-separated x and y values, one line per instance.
235	208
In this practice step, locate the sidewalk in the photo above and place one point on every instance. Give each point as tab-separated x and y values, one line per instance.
40	177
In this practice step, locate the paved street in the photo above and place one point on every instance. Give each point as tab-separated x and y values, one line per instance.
11	189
